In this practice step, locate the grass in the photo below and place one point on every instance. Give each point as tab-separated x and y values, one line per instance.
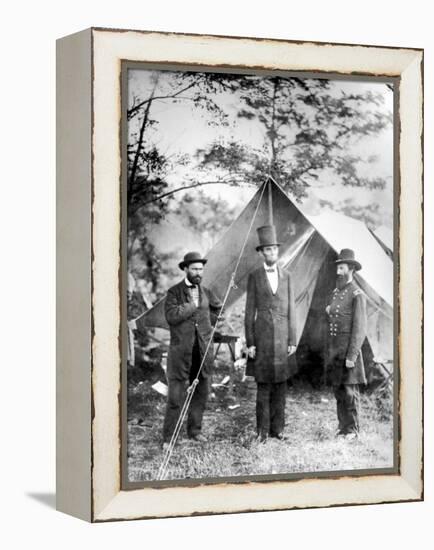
232	450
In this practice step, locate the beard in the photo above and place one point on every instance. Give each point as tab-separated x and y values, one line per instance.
194	279
270	262
342	280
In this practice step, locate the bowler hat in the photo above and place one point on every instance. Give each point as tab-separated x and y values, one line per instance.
346	256
267	236
191	258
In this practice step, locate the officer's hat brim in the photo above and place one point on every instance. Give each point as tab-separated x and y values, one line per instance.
357	266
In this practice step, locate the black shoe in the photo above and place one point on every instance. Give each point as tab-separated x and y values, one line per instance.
200	438
280	437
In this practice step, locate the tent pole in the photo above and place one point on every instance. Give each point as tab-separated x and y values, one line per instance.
270	203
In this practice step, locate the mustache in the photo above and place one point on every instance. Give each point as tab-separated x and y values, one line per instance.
341	280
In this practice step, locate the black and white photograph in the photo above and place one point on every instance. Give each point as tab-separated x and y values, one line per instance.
222	240
258	275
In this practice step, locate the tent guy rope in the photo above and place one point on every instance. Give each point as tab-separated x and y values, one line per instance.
190	391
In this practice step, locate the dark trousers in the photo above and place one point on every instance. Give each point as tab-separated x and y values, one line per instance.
348	404
270	409
177	395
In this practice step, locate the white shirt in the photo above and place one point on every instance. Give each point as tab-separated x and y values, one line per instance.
273	276
194	292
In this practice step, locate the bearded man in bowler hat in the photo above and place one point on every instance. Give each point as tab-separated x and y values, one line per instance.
347	331
270	328
191	310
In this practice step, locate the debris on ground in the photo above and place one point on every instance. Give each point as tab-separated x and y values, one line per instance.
160	388
222	383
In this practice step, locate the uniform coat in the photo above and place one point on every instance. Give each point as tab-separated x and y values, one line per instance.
346	334
186	320
270	326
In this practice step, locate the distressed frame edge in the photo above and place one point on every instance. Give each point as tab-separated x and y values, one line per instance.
111	512
73	275
411	256
413	491
251	38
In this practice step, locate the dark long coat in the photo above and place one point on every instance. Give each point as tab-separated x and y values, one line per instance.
185	319
270	325
346	333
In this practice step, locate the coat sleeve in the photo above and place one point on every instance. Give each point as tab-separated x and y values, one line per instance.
359	326
215	306
292	322
250	313
177	313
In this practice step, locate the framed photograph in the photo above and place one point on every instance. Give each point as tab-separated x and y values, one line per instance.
239	281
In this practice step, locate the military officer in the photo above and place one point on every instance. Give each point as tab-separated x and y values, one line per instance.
347	331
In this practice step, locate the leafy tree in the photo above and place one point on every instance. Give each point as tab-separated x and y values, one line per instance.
149	197
308	129
205	215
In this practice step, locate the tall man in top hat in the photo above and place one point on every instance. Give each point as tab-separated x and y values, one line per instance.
347	331
270	335
191	310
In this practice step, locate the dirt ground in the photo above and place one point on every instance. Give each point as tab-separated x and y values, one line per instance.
232	450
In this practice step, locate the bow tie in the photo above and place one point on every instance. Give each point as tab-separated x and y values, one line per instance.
271	270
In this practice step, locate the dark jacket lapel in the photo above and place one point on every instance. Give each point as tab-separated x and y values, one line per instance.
185	290
280	278
264	280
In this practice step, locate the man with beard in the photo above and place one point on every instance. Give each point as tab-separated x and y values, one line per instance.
191	310
270	335
347	331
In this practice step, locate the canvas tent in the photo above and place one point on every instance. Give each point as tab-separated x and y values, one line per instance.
309	245
384	236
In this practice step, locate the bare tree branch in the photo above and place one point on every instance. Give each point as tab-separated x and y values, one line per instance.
133	110
169	193
142	131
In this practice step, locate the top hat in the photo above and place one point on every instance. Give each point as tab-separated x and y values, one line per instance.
267	236
191	258
346	256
